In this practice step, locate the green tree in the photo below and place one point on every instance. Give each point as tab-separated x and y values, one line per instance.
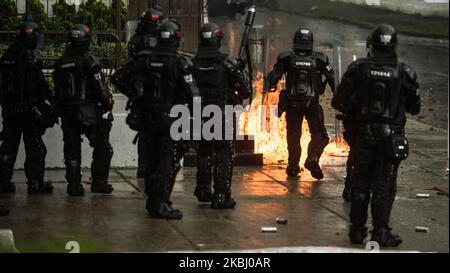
64	16
37	11
94	14
123	13
8	15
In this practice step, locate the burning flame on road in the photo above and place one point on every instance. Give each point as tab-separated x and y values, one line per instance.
269	131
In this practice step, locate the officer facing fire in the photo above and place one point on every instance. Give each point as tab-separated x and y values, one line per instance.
25	99
85	105
305	71
378	91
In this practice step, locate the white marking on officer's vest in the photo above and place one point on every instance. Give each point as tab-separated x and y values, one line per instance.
207	35
68	65
385	39
165	34
8	62
206	68
303	63
384	74
188	78
304	31
156	64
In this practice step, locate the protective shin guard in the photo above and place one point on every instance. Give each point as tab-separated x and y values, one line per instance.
73	177
6	170
203	190
358	217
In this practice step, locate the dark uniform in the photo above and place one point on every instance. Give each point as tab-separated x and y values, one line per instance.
378	91
4	211
305	70
157	80
85	105
26	109
221	83
144	39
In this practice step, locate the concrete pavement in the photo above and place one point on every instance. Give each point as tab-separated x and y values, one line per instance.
316	214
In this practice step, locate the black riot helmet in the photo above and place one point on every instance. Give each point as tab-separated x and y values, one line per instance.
210	35
80	36
303	40
382	43
150	20
30	35
169	34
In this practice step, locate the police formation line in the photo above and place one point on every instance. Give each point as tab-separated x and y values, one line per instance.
373	98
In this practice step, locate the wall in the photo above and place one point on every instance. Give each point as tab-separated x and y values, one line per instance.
121	137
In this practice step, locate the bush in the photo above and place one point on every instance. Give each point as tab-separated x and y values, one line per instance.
8	15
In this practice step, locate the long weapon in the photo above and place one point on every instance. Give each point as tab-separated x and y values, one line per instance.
265	81
244	49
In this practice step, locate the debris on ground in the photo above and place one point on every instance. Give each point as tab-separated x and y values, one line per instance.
423	195
281	221
422	229
269	229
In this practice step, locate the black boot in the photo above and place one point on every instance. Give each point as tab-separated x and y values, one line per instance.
101	187
73	176
357	234
140	174
385	238
163	211
203	193
314	168
4	211
222	201
39	186
75	189
292	171
7	187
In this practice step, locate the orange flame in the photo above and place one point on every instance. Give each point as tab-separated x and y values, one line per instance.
271	142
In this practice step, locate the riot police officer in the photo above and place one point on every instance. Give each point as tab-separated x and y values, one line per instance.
158	80
377	91
143	40
85	105
26	109
305	71
145	35
221	82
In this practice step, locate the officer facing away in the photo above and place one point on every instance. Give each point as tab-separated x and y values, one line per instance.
221	82
144	39
305	70
26	100
85	105
378	91
160	79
